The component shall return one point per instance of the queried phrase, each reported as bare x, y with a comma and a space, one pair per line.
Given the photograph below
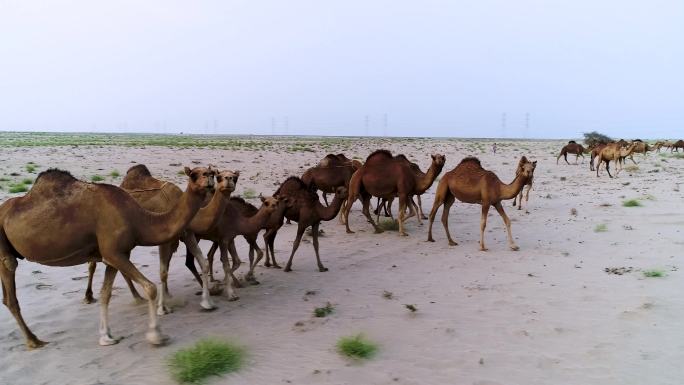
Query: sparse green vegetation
96, 178
31, 167
356, 347
324, 311
654, 273
28, 181
18, 188
631, 203
249, 194
592, 138
115, 174
206, 358
388, 224
600, 228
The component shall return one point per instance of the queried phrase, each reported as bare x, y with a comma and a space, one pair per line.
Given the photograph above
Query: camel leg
120, 262
420, 208
8, 268
402, 214
445, 218
440, 196
576, 159
210, 260
325, 198
191, 243
236, 263
269, 240
92, 265
519, 197
340, 217
314, 227
507, 222
190, 264
608, 168
350, 202
228, 277
260, 255
295, 245
366, 212
164, 260
137, 298
565, 156
483, 224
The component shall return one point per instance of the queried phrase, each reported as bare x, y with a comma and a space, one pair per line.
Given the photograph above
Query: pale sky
432, 68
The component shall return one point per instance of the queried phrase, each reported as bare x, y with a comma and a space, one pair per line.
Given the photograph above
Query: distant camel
470, 183
594, 151
613, 152
571, 148
332, 172
677, 145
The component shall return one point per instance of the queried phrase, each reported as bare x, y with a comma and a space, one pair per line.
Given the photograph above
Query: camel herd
616, 151
63, 221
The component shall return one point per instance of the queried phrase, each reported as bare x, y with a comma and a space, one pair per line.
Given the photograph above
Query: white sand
547, 314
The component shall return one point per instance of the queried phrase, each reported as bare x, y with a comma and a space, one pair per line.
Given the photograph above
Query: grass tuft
96, 178
654, 273
600, 228
31, 167
249, 194
631, 203
206, 358
18, 188
389, 224
115, 174
28, 181
326, 310
356, 347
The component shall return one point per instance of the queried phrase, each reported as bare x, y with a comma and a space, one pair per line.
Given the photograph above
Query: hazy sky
433, 68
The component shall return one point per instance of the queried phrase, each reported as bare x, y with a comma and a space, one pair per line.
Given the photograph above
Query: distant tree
593, 138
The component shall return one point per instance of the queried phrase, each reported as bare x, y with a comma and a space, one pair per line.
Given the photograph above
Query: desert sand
547, 314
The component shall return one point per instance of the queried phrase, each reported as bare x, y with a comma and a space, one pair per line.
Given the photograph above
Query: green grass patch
28, 181
324, 311
631, 203
600, 228
206, 358
18, 188
654, 273
115, 174
249, 194
96, 178
31, 167
356, 347
388, 224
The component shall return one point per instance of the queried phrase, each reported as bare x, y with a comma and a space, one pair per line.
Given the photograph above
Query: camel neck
509, 191
425, 181
329, 212
207, 217
158, 228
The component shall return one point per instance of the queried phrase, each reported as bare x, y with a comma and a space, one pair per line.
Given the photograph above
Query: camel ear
434, 157
534, 164
237, 173
262, 198
187, 171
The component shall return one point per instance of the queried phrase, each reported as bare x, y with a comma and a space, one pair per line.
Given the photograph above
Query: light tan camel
62, 221
385, 176
613, 152
159, 196
470, 183
571, 148
519, 198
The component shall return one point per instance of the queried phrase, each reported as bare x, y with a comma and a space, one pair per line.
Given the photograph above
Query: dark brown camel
677, 145
470, 183
384, 176
571, 148
62, 221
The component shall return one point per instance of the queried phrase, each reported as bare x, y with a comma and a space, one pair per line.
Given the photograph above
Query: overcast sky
404, 68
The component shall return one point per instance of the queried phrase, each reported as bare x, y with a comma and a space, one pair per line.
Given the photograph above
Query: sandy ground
547, 314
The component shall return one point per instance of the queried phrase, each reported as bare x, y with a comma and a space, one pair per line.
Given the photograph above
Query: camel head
527, 168
201, 179
438, 159
270, 204
342, 192
226, 180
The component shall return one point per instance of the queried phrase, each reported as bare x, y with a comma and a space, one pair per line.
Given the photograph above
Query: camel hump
379, 153
291, 183
402, 157
56, 176
471, 159
572, 142
245, 208
138, 170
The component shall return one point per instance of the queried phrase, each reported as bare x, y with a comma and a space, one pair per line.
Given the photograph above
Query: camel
594, 151
238, 219
571, 148
470, 183
307, 211
519, 170
640, 148
615, 153
385, 176
413, 208
331, 172
677, 145
250, 231
62, 221
158, 196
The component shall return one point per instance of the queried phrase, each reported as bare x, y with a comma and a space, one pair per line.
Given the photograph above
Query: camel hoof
287, 269
430, 240
452, 243
108, 340
232, 297
379, 231
35, 344
207, 305
277, 266
483, 249
424, 217
163, 310
404, 234
89, 300
515, 248
156, 338
322, 269
350, 232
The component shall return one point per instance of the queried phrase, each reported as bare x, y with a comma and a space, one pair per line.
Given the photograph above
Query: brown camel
414, 209
470, 183
385, 176
62, 221
677, 145
158, 196
595, 150
518, 171
571, 148
247, 210
307, 211
238, 219
613, 152
331, 172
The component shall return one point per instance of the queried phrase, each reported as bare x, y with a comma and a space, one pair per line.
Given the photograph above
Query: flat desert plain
573, 306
